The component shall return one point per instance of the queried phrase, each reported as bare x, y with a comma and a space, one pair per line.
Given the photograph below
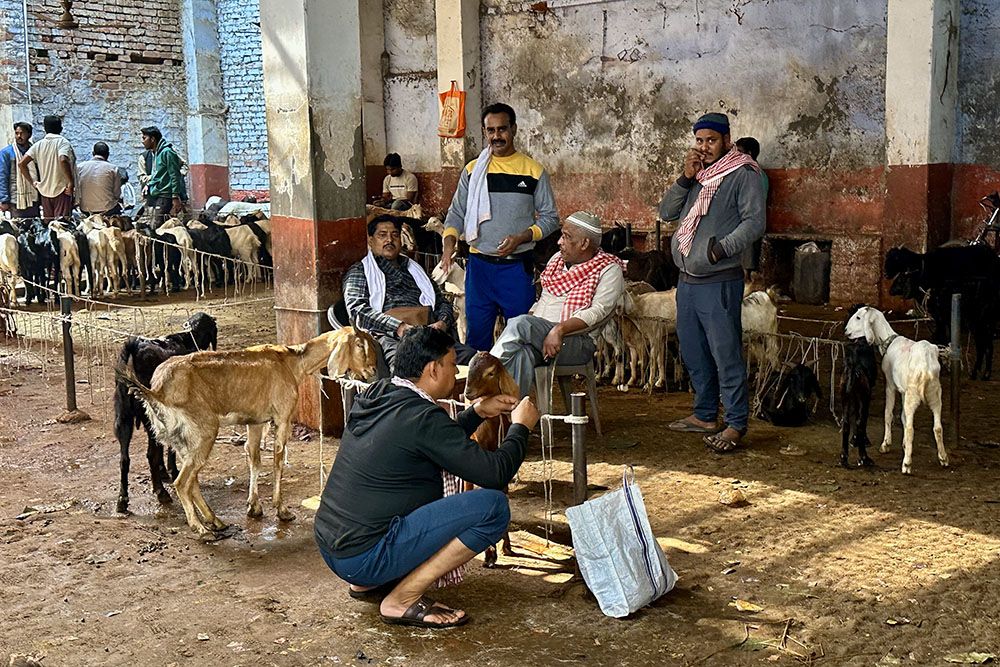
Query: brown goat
190, 397
488, 377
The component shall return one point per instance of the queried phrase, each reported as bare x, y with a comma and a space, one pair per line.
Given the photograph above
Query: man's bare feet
436, 614
725, 441
691, 424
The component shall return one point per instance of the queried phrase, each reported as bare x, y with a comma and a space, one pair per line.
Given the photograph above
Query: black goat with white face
145, 355
792, 400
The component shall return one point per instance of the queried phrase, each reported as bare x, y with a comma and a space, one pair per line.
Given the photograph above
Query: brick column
207, 150
312, 90
373, 56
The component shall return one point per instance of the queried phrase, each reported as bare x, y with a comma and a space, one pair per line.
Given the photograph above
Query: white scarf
376, 283
477, 205
27, 196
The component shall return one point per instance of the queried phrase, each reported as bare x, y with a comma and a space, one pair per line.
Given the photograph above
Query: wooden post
955, 357
72, 414
628, 235
659, 233
578, 433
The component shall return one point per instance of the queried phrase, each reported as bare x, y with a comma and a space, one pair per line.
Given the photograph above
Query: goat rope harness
883, 346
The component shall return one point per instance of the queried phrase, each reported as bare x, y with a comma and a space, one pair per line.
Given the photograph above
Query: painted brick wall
12, 77
243, 84
121, 70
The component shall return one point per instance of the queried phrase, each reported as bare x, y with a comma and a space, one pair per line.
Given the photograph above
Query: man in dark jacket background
167, 191
382, 520
720, 203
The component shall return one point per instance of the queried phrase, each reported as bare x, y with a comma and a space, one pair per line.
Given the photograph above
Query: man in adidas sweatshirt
522, 211
720, 204
383, 522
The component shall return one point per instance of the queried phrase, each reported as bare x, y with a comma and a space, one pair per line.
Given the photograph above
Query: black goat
973, 272
856, 387
145, 355
788, 402
655, 267
215, 241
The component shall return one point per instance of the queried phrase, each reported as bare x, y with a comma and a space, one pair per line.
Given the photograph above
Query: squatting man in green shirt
383, 525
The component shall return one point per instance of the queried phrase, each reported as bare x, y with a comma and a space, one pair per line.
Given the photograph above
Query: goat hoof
285, 515
865, 462
490, 557
884, 447
163, 496
906, 470
122, 506
255, 511
944, 462
843, 462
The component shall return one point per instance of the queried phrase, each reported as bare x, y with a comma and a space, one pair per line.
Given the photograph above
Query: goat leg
252, 447
490, 557
282, 431
154, 454
845, 437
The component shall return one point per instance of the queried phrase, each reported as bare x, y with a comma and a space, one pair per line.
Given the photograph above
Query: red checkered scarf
710, 179
578, 282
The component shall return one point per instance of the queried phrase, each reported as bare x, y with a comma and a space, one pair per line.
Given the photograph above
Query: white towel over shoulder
376, 283
477, 206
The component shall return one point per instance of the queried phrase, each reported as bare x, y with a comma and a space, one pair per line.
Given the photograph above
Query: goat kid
454, 284
856, 387
793, 398
911, 368
145, 355
487, 378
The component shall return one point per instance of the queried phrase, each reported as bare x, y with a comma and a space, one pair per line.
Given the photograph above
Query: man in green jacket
166, 189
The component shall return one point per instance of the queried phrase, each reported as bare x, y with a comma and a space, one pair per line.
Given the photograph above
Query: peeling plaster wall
411, 106
121, 70
611, 89
12, 67
977, 142
243, 86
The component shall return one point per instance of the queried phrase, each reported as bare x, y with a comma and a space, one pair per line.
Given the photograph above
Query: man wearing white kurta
581, 286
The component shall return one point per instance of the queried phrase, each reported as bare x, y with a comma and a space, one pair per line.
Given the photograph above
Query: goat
788, 402
759, 315
912, 369
856, 388
145, 354
454, 284
488, 377
69, 258
654, 315
10, 264
180, 236
655, 267
190, 397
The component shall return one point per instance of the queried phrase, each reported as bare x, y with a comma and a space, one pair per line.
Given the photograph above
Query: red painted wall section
310, 258
208, 180
971, 183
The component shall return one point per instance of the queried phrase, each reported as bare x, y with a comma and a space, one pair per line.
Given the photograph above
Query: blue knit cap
713, 121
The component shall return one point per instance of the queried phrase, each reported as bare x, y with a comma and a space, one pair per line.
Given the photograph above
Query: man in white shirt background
399, 188
56, 163
100, 183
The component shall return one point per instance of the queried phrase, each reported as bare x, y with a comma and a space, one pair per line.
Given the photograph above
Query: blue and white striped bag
617, 553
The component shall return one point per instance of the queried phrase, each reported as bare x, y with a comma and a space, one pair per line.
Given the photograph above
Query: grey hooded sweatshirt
735, 218
389, 463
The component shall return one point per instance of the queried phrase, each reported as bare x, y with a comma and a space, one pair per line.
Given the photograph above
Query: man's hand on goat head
525, 413
494, 405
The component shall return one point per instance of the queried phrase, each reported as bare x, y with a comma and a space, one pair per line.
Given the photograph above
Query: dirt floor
849, 567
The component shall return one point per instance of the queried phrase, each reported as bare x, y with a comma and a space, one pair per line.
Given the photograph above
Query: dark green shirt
166, 179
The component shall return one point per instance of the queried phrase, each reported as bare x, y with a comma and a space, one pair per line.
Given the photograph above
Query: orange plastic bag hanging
452, 122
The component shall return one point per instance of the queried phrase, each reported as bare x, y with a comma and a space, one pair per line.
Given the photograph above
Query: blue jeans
710, 330
491, 289
478, 518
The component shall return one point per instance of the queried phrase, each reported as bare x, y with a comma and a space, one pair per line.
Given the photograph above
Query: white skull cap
586, 220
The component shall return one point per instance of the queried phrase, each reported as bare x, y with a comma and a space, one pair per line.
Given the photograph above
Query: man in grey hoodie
720, 204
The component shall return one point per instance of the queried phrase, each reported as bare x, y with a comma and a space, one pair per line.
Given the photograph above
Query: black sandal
414, 616
374, 594
720, 445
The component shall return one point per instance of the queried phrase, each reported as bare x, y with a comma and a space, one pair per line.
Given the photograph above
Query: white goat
453, 283
655, 317
69, 258
189, 261
246, 248
912, 369
191, 396
9, 264
759, 315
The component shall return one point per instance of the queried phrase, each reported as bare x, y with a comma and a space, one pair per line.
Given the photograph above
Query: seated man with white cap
581, 285
386, 294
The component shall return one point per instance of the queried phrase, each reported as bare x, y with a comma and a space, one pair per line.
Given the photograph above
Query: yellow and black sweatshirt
520, 198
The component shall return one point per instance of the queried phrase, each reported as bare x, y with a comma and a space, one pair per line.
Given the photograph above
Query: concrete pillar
920, 119
374, 61
458, 60
313, 97
207, 149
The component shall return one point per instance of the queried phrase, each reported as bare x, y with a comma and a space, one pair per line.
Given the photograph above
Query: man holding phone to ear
719, 200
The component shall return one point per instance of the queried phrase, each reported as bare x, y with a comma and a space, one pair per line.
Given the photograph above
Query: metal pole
955, 357
65, 305
578, 433
628, 235
659, 232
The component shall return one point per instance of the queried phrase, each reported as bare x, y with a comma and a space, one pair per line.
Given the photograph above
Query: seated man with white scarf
581, 285
387, 293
